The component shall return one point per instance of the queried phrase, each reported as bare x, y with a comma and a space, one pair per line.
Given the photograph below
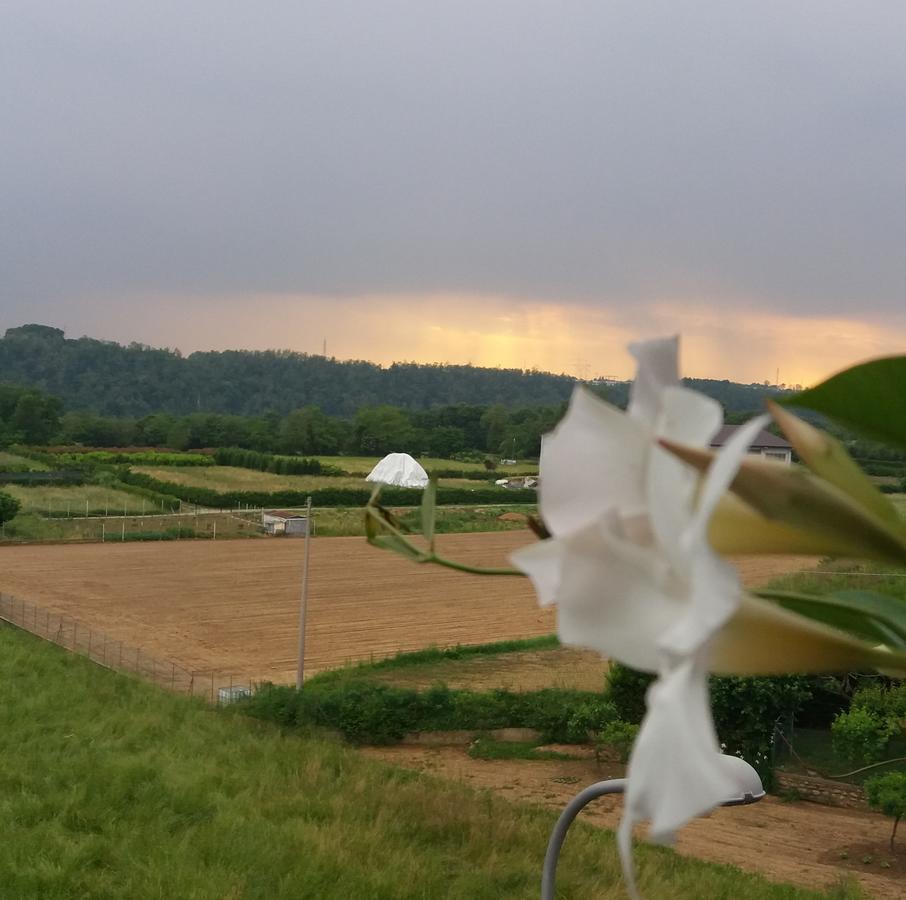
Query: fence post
75, 633
172, 676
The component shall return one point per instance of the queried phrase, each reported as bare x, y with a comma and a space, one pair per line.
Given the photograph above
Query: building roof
283, 514
764, 439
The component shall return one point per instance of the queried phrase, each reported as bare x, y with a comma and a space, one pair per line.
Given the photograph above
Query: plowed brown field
233, 606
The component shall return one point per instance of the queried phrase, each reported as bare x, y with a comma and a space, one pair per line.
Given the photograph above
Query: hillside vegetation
137, 380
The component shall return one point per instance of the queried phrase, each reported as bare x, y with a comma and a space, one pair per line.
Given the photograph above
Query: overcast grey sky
165, 166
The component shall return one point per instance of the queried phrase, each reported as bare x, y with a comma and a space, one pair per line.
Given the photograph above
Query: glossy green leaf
869, 616
870, 398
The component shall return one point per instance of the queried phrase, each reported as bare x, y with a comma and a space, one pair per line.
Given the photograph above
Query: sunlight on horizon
504, 332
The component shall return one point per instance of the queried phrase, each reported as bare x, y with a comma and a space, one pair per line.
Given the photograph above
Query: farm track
801, 843
232, 606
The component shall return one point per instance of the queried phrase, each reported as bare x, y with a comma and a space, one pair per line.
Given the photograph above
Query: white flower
634, 576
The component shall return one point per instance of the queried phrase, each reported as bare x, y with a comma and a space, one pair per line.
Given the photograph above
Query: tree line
135, 381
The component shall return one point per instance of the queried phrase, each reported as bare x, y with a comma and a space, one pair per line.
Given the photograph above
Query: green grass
431, 656
845, 575
30, 527
485, 748
62, 501
110, 789
11, 459
338, 521
232, 478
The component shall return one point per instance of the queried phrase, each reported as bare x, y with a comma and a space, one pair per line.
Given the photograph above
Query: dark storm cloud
574, 152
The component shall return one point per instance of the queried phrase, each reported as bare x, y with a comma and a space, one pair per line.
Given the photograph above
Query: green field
62, 501
134, 793
231, 478
337, 521
19, 462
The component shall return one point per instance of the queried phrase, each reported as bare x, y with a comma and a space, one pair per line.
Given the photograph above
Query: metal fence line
111, 653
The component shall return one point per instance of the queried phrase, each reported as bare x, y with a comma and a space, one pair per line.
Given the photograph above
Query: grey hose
558, 835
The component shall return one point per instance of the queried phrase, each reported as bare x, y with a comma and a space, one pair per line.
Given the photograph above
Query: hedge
372, 713
391, 496
268, 462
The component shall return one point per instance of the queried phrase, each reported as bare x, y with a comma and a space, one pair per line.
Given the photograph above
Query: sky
522, 184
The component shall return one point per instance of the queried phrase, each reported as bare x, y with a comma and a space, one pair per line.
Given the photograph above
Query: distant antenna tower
777, 377
324, 352
582, 367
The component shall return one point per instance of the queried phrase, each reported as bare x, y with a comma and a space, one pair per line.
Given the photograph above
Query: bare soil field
233, 606
802, 843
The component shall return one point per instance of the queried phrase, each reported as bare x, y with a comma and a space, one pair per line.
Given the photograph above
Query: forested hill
137, 380
114, 380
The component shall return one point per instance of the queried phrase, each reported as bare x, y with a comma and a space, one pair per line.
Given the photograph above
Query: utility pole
303, 602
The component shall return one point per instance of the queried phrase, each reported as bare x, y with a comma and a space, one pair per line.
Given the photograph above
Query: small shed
284, 521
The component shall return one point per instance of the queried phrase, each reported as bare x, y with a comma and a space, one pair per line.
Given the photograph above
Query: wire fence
195, 524
112, 653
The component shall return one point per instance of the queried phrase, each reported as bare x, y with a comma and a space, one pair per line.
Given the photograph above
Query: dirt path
801, 843
233, 606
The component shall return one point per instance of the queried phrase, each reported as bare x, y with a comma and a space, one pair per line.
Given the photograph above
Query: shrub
882, 700
887, 793
620, 736
626, 689
861, 735
267, 462
9, 506
372, 713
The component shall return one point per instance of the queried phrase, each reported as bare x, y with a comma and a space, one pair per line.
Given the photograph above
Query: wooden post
303, 602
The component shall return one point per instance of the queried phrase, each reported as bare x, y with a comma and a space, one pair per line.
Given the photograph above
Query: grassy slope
111, 789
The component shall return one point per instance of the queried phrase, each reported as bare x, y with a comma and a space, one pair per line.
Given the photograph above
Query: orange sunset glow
580, 340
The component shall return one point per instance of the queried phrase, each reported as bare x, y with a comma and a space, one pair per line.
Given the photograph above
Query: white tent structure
399, 470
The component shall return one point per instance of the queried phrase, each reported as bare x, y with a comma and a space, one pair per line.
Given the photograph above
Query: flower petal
658, 368
670, 483
674, 772
593, 461
613, 596
714, 589
543, 563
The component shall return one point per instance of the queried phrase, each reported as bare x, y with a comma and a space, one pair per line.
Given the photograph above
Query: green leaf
870, 398
429, 501
828, 459
398, 544
869, 616
797, 498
